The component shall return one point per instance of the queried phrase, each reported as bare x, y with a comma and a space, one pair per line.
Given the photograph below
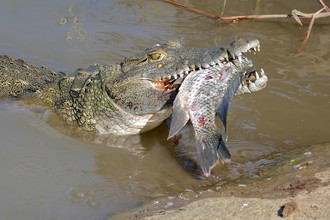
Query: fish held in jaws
202, 96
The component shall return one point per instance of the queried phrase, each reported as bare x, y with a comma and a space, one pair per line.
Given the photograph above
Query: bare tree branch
308, 33
295, 14
209, 15
275, 16
324, 6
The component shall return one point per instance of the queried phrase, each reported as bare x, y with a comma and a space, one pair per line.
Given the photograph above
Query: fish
204, 96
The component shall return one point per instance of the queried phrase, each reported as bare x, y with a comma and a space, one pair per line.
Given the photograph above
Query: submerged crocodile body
129, 97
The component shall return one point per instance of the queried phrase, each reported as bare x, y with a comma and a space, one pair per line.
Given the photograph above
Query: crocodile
125, 98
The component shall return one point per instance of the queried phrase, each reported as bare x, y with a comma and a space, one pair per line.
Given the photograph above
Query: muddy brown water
48, 172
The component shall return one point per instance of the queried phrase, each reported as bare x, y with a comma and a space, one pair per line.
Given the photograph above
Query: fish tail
211, 151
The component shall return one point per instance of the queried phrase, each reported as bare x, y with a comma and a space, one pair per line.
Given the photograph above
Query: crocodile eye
155, 56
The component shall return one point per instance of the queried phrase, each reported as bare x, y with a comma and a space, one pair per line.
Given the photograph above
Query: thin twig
324, 6
224, 6
209, 15
308, 33
273, 16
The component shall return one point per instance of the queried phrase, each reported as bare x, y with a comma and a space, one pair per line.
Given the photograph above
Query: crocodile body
129, 97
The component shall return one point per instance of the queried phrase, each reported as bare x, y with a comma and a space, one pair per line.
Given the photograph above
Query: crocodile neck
84, 100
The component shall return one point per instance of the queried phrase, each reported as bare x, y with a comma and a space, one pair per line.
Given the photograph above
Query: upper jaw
231, 53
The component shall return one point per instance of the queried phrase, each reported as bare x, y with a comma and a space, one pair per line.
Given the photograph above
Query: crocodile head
149, 80
142, 88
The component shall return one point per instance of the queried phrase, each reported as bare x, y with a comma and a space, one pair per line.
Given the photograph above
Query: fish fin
211, 151
223, 107
179, 119
222, 110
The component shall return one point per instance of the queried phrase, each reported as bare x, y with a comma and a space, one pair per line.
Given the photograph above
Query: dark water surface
46, 174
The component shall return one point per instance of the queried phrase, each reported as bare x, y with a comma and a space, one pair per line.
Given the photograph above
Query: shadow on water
74, 174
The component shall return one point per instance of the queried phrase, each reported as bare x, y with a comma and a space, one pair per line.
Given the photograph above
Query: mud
295, 190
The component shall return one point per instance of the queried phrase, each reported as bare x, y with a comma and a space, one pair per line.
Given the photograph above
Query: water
46, 174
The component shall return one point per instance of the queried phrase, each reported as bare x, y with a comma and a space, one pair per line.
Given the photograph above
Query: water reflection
45, 174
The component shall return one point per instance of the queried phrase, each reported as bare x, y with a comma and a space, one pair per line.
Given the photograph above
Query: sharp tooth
239, 59
262, 72
192, 68
205, 65
245, 89
257, 75
254, 53
255, 49
175, 76
181, 75
178, 81
258, 48
212, 63
249, 50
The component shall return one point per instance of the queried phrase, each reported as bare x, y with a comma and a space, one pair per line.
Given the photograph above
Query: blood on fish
208, 77
176, 139
201, 121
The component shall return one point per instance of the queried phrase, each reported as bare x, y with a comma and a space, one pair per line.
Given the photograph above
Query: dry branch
192, 9
295, 14
307, 36
324, 5
276, 16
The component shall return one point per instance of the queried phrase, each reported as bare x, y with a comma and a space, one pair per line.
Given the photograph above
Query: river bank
298, 189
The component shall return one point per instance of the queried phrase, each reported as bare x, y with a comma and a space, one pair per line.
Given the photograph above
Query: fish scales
202, 97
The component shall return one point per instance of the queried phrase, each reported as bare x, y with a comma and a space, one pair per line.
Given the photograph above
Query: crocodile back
21, 80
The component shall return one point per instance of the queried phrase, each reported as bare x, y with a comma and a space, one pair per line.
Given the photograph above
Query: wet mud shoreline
298, 188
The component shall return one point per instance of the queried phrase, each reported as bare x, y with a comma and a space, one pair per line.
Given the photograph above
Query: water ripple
30, 168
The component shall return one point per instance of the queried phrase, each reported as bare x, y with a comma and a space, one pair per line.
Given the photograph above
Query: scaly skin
130, 97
